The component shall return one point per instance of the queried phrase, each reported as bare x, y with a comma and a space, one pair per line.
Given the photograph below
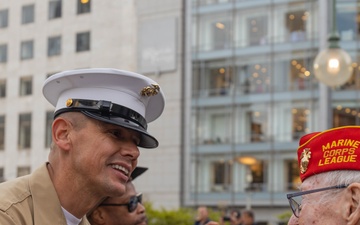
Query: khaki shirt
31, 200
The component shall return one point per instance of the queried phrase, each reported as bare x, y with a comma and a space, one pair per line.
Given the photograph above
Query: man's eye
136, 140
116, 133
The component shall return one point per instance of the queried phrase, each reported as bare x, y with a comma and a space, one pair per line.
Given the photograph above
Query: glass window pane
28, 14
54, 9
346, 114
24, 138
49, 120
4, 15
54, 46
2, 132
27, 50
257, 30
83, 6
25, 86
3, 53
300, 118
23, 170
2, 88
292, 174
221, 176
83, 41
296, 25
256, 176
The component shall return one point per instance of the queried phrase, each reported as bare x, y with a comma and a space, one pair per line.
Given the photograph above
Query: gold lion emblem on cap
304, 160
150, 90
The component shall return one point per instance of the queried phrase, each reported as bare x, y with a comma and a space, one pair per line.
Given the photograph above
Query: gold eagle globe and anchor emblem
304, 160
150, 90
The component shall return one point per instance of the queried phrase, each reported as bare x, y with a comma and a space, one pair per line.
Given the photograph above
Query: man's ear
97, 217
60, 133
353, 208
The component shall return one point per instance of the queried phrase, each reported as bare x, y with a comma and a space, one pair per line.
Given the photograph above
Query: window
222, 174
296, 25
299, 74
83, 6
221, 35
24, 140
28, 13
23, 170
300, 118
257, 123
257, 30
4, 15
83, 41
2, 178
25, 86
49, 120
54, 46
255, 176
2, 133
292, 174
2, 88
27, 50
54, 9
221, 81
3, 53
344, 115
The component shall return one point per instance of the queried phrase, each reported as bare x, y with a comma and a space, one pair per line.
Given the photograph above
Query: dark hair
238, 213
249, 213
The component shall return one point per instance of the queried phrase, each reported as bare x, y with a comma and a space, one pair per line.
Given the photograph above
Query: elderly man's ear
351, 204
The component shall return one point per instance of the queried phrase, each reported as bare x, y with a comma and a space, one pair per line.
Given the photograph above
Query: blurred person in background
234, 218
247, 217
329, 166
202, 217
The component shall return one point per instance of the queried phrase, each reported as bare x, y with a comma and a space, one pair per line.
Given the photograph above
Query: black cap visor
109, 112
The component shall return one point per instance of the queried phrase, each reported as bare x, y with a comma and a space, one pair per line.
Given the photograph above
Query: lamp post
332, 65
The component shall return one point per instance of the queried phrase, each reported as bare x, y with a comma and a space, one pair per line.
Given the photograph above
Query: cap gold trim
69, 102
304, 160
150, 90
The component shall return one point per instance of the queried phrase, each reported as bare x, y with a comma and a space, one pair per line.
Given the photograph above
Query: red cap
333, 149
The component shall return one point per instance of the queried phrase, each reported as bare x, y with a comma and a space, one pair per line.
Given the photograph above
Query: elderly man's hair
333, 178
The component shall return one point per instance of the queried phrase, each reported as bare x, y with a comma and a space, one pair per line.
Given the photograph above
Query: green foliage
181, 216
285, 217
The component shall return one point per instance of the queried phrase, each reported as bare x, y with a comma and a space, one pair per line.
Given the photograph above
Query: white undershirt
70, 219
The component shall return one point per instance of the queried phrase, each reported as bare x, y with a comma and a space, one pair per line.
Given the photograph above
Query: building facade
254, 95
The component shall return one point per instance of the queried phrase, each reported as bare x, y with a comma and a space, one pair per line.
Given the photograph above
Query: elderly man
329, 171
100, 120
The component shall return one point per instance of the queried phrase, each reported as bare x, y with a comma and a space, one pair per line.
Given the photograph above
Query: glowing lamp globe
333, 67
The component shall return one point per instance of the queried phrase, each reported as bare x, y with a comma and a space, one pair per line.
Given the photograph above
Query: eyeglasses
296, 207
132, 204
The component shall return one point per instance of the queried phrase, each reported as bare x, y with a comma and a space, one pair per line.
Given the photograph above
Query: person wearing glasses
124, 210
100, 121
329, 165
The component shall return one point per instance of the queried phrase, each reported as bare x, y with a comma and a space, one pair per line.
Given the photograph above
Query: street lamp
332, 66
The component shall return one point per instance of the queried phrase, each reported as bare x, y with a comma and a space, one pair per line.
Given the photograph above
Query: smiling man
329, 167
100, 120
